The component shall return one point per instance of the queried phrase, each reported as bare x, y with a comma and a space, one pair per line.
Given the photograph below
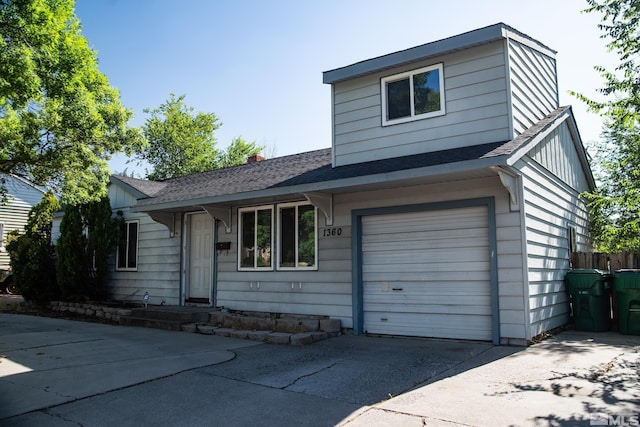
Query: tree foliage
88, 235
182, 142
60, 120
32, 255
615, 206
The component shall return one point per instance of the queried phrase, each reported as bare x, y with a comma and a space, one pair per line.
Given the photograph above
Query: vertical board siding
534, 86
476, 110
558, 154
550, 207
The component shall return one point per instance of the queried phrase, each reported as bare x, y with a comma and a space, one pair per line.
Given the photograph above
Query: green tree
182, 142
32, 255
88, 235
60, 120
237, 153
615, 206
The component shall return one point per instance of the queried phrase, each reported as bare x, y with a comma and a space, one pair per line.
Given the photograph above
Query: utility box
590, 296
627, 288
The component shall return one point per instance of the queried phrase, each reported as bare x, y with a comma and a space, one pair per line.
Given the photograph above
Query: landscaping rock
258, 335
301, 339
239, 333
223, 332
331, 326
189, 327
206, 329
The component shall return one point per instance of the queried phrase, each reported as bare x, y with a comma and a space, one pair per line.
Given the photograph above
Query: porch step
170, 318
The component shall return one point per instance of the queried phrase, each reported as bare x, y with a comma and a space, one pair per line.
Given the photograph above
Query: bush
32, 256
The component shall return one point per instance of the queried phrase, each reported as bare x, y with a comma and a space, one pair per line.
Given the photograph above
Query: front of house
447, 206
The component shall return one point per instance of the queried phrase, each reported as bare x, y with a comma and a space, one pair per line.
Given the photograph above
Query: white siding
550, 208
534, 86
22, 197
328, 290
476, 110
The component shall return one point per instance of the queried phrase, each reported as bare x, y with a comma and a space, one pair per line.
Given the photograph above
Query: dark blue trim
356, 248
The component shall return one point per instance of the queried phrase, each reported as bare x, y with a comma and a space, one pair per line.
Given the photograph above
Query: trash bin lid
590, 271
628, 271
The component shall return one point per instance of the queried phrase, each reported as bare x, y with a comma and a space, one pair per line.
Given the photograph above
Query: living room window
413, 95
256, 238
297, 237
127, 256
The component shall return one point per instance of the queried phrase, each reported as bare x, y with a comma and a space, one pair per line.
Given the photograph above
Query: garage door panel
438, 264
435, 325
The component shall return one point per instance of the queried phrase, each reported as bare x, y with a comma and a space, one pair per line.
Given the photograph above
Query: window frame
2, 248
279, 239
255, 209
409, 75
127, 239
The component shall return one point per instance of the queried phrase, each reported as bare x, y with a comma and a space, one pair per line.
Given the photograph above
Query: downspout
183, 227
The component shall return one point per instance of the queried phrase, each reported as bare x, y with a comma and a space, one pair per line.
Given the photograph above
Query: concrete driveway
60, 373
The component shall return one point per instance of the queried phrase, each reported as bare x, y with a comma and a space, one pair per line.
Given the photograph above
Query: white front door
200, 259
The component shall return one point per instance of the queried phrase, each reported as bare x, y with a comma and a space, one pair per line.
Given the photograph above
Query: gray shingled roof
314, 167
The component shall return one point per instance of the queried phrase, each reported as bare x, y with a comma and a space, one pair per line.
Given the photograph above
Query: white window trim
127, 222
409, 74
315, 264
273, 231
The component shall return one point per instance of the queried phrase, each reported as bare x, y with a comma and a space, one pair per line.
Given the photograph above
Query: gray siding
550, 208
558, 154
158, 258
14, 214
534, 85
328, 290
477, 110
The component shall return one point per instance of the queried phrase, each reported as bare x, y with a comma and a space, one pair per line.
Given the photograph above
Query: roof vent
255, 158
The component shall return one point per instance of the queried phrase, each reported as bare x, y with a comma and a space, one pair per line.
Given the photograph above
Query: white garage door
427, 274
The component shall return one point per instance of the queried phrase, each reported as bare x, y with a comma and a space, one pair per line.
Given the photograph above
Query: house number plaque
335, 232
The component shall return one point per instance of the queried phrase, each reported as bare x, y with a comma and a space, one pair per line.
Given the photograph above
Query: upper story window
256, 238
127, 257
413, 95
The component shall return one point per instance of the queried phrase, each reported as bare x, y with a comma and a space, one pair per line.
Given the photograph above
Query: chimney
255, 158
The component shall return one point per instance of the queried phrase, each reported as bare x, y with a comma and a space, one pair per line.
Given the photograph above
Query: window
413, 95
256, 236
2, 237
127, 257
297, 237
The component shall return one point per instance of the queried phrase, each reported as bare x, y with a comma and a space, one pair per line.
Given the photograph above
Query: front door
200, 259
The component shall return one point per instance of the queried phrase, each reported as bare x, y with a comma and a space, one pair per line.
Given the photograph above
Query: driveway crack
310, 374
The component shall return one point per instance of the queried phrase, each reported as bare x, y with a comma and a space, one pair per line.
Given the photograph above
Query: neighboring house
447, 206
22, 196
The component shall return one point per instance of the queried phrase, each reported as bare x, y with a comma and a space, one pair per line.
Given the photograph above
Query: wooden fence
607, 262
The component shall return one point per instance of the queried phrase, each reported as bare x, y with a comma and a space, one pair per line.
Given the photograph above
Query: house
447, 206
22, 196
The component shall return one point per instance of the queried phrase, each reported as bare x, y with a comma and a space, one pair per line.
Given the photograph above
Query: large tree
181, 141
60, 120
615, 206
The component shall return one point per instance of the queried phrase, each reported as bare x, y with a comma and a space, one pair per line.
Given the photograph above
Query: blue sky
258, 64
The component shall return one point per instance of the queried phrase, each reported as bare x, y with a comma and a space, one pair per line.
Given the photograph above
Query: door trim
187, 255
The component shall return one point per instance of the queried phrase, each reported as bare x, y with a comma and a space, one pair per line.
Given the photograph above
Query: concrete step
170, 325
180, 314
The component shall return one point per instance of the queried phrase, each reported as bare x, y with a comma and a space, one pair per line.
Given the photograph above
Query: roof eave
328, 186
437, 48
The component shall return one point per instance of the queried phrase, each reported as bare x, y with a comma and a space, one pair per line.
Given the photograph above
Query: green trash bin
627, 286
590, 296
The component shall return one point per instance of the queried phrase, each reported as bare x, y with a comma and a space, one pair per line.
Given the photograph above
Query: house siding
15, 213
158, 271
476, 110
534, 85
328, 291
550, 207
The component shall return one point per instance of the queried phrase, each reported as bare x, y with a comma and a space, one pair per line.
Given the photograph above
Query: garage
428, 273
